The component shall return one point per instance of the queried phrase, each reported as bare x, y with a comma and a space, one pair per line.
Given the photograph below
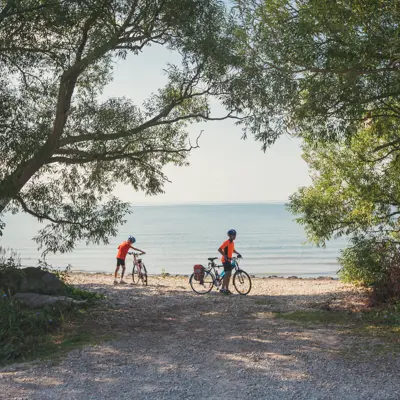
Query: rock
35, 300
292, 277
31, 279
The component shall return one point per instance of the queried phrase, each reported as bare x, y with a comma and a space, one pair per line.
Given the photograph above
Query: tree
61, 148
320, 68
328, 72
355, 192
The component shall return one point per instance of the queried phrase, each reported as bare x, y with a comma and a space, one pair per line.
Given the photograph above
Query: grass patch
370, 334
80, 294
377, 324
317, 317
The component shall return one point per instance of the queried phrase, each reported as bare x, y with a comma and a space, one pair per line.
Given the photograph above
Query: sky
225, 168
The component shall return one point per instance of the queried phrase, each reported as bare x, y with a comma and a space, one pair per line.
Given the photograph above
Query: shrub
373, 263
24, 331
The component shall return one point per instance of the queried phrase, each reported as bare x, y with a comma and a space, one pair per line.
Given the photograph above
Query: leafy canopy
321, 67
355, 188
62, 147
355, 192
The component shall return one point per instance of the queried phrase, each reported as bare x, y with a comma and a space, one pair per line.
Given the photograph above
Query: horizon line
207, 203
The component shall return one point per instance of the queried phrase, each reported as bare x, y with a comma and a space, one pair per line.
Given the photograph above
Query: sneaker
122, 282
223, 291
115, 282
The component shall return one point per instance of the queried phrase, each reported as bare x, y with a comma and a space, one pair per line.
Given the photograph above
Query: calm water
177, 237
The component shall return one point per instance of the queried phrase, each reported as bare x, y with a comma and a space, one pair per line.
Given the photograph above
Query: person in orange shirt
227, 249
123, 249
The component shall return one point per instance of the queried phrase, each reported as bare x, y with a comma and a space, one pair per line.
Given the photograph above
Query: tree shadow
178, 344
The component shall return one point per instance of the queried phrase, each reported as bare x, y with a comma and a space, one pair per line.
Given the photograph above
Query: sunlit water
177, 237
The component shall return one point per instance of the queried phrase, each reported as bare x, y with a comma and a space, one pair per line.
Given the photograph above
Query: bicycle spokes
242, 282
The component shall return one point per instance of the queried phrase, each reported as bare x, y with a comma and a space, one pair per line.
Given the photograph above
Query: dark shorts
121, 262
227, 266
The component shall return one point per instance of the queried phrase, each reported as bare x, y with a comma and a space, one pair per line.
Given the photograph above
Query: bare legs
122, 273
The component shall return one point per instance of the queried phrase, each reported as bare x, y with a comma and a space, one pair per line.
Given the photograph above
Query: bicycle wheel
242, 282
135, 275
143, 275
202, 287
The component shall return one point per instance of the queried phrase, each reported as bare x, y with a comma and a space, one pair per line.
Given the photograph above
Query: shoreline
253, 276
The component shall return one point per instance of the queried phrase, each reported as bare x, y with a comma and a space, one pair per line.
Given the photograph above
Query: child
123, 249
227, 249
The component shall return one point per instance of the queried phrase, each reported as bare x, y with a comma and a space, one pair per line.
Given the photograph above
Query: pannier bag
198, 273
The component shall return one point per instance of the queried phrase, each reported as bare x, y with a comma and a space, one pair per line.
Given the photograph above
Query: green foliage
363, 262
355, 192
81, 294
388, 316
26, 333
9, 259
23, 331
320, 67
63, 147
332, 76
355, 188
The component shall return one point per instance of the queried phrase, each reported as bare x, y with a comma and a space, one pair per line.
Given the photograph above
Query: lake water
177, 237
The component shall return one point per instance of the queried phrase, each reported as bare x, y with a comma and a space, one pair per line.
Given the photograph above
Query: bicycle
212, 278
139, 272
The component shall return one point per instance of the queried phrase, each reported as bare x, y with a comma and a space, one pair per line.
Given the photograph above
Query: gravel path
172, 344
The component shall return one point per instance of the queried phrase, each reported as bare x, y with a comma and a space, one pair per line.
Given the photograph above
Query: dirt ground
165, 342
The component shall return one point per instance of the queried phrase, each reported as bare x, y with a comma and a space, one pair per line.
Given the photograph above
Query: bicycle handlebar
136, 254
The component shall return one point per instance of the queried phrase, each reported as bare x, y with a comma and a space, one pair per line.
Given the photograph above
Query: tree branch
41, 217
84, 157
154, 122
380, 158
382, 146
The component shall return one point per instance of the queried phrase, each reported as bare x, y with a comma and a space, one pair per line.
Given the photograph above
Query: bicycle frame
137, 261
212, 269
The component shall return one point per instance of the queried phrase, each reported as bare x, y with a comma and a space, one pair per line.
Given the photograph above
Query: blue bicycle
210, 277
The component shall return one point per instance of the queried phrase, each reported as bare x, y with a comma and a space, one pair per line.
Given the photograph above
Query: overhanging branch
83, 157
383, 146
154, 122
47, 217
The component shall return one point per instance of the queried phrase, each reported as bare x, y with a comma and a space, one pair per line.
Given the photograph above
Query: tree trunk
11, 186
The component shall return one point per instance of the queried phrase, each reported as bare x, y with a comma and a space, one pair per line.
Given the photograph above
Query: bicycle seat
212, 258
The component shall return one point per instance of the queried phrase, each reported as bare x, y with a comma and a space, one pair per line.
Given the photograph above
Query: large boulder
35, 300
31, 279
